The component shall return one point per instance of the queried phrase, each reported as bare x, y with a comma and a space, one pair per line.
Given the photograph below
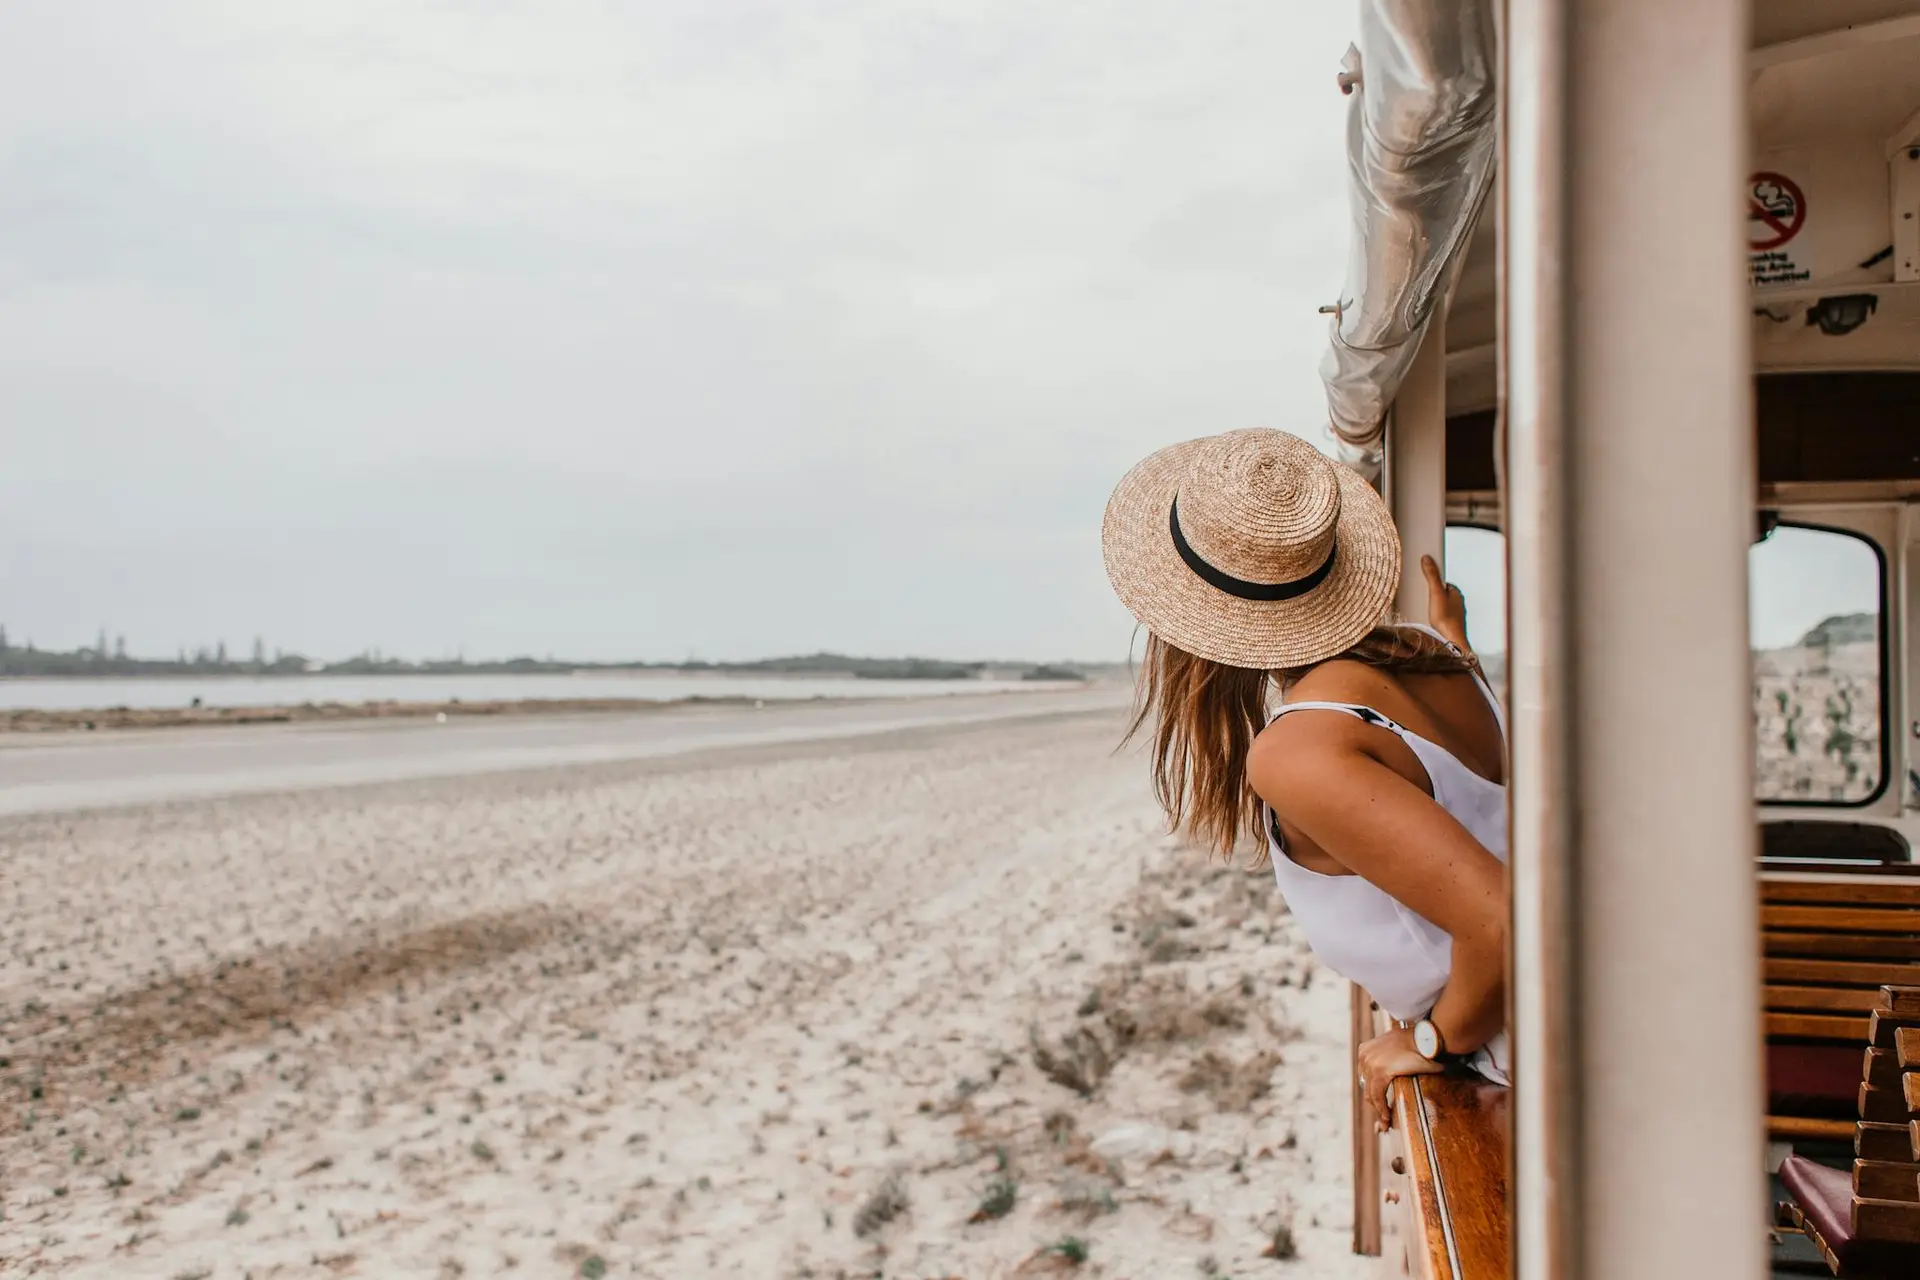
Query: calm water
263, 691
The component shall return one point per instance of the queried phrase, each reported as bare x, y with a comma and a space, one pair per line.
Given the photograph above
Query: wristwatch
1428, 1042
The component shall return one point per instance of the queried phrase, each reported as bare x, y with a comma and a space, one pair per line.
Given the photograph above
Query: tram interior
1833, 225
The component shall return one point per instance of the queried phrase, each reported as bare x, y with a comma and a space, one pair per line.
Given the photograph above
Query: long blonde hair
1206, 715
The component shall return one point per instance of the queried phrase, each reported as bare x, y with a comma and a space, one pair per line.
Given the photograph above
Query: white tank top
1362, 934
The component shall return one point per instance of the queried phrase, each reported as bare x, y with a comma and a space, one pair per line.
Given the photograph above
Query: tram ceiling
1791, 28
1834, 202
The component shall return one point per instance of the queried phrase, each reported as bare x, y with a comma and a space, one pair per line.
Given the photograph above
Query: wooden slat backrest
1831, 918
1885, 1201
1886, 1186
1845, 890
1816, 1026
1868, 975
1883, 1069
1889, 1142
1830, 943
1891, 1221
1886, 1180
1883, 1027
1840, 946
1789, 997
1884, 1106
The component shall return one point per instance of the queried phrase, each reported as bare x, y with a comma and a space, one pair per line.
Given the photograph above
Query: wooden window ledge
1453, 1133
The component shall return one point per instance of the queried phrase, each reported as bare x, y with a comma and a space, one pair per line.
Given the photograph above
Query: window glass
1814, 621
1814, 624
1477, 564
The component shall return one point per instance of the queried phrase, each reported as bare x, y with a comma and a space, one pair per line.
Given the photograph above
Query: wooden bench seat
1867, 1222
1830, 942
1857, 1235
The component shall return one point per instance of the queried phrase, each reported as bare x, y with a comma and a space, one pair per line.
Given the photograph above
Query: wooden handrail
1455, 1131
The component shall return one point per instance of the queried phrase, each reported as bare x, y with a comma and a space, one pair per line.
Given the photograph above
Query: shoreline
34, 720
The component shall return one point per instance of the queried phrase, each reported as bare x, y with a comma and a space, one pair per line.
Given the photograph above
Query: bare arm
1320, 774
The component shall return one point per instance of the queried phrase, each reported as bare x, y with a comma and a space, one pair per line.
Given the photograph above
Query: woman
1377, 786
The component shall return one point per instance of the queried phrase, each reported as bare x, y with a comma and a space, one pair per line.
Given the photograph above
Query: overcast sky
679, 327
716, 327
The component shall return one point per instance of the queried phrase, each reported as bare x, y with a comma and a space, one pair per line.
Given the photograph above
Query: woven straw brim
1171, 601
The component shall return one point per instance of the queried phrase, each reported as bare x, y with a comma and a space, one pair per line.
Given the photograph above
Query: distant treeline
836, 664
111, 659
104, 659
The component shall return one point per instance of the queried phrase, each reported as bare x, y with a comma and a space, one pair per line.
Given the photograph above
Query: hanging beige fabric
1420, 149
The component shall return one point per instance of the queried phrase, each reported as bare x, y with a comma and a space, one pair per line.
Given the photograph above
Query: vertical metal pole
1630, 482
1906, 755
1417, 480
1541, 991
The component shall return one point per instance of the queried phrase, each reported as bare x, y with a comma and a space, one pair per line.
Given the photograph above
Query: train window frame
1882, 672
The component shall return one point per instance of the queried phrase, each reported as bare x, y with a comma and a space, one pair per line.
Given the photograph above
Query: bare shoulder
1344, 680
1300, 749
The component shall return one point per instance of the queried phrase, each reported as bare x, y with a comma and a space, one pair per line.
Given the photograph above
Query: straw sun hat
1251, 549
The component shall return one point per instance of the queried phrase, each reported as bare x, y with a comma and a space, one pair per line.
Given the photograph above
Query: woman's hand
1446, 605
1384, 1059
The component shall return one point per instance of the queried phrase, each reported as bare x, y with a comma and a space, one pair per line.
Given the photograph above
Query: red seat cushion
1814, 1079
1825, 1195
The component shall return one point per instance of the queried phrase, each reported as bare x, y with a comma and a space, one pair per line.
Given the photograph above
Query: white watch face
1426, 1038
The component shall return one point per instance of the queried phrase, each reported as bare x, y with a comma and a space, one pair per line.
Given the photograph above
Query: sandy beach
932, 1002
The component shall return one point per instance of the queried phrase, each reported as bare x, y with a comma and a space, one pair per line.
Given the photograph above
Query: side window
1814, 618
1477, 564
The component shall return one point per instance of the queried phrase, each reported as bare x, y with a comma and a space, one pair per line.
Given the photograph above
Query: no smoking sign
1776, 210
1776, 213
